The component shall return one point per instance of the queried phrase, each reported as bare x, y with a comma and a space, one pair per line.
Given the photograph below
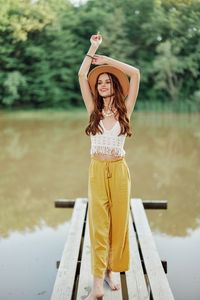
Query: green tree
17, 20
167, 68
176, 58
42, 44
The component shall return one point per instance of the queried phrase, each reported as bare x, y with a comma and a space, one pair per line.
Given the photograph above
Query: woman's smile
104, 84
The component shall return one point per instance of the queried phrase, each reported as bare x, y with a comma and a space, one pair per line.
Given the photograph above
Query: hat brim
122, 77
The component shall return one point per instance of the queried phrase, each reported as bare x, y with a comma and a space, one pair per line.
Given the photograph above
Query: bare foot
108, 278
97, 290
92, 296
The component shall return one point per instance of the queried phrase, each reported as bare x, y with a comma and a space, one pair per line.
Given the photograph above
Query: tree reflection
45, 156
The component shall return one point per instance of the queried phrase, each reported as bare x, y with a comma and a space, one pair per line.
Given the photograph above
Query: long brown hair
118, 102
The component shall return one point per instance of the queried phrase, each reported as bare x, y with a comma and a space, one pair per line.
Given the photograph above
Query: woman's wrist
106, 59
92, 50
88, 55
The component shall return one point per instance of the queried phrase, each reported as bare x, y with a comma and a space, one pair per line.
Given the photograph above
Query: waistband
108, 160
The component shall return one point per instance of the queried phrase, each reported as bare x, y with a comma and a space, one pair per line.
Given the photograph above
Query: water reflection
166, 161
28, 262
182, 255
45, 156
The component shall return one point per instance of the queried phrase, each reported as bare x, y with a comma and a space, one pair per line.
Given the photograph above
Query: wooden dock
146, 278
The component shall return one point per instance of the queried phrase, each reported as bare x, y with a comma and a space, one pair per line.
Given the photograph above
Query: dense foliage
42, 44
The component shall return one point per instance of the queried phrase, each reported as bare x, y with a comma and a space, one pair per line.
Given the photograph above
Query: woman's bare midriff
105, 157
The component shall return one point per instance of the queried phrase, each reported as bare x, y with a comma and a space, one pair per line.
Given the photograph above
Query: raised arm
131, 71
84, 69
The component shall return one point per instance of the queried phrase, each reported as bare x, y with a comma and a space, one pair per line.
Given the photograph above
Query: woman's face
105, 86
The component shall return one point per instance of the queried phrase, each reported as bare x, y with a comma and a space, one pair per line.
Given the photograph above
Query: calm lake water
45, 156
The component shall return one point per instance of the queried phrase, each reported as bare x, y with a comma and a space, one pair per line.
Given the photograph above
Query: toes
113, 286
117, 286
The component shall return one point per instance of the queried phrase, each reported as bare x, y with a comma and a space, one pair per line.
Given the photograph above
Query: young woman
109, 97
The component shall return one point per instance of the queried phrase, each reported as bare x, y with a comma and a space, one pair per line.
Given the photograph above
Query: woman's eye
107, 82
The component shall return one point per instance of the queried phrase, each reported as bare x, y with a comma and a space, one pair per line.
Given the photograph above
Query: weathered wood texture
159, 285
68, 203
148, 204
145, 279
65, 279
136, 285
154, 204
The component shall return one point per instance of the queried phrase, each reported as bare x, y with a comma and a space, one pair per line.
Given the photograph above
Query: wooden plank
136, 285
65, 278
157, 279
148, 204
86, 278
68, 203
163, 262
154, 204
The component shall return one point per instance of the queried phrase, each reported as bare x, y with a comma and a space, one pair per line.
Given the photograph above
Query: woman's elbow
136, 73
82, 74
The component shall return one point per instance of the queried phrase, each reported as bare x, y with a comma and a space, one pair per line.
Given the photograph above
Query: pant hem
120, 270
100, 275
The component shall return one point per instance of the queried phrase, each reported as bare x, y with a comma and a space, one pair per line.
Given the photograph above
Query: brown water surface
45, 156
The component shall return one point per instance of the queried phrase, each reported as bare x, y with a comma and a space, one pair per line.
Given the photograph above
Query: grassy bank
141, 106
176, 106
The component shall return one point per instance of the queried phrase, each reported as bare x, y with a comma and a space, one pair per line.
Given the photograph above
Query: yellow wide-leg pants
109, 187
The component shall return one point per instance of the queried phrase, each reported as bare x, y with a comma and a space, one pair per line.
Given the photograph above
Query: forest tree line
43, 43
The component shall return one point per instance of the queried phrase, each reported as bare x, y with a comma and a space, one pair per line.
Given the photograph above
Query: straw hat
122, 77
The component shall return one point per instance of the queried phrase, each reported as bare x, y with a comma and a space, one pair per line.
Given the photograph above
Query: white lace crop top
108, 142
